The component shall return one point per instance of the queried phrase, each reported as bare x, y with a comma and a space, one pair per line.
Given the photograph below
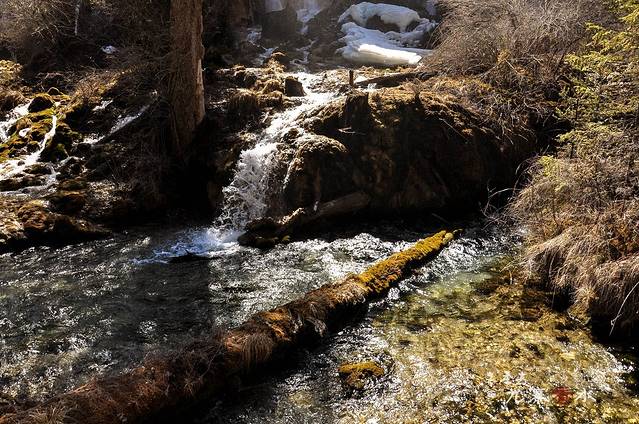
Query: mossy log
161, 386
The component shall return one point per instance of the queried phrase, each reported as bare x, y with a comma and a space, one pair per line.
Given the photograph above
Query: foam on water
245, 198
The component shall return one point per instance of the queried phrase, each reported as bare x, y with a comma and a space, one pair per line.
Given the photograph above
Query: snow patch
370, 46
388, 13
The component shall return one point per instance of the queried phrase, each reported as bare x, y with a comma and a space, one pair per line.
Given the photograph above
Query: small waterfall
14, 167
245, 198
11, 118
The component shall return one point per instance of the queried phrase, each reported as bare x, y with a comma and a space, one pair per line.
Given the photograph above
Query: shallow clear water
455, 347
451, 353
67, 314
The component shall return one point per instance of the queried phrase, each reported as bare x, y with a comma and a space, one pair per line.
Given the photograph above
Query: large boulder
409, 153
280, 24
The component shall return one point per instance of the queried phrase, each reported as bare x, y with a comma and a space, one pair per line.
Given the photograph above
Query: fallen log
160, 386
393, 80
268, 232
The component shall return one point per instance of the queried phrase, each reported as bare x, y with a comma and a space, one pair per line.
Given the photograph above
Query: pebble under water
453, 347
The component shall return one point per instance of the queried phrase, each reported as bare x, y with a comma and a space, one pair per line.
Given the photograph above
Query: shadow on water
72, 313
452, 343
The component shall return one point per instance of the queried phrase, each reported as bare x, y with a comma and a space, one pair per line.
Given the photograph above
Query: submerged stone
356, 376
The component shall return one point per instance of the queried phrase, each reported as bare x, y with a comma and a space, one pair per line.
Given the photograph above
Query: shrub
46, 34
581, 208
518, 44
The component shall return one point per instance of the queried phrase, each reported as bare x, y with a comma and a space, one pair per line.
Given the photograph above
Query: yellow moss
356, 375
381, 276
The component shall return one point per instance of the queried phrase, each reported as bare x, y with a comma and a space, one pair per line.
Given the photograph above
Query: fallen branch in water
267, 232
211, 366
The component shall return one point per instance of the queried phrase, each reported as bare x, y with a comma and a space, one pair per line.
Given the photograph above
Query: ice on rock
388, 13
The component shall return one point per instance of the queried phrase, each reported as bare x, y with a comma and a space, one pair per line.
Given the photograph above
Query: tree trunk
186, 87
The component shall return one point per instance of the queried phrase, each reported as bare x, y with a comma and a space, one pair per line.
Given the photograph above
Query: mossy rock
76, 112
356, 376
41, 102
68, 202
18, 145
61, 144
44, 116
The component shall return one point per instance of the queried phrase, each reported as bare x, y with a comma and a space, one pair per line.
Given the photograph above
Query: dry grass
50, 34
517, 44
581, 212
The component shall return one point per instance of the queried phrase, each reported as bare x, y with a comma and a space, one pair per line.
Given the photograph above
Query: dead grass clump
518, 44
244, 103
499, 110
581, 212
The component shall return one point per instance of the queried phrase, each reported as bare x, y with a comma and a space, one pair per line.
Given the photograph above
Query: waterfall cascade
245, 198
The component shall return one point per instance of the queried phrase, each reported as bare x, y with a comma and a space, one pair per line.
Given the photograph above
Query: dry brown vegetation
50, 33
581, 208
516, 44
582, 211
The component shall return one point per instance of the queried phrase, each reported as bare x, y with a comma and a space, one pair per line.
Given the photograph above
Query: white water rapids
16, 166
245, 198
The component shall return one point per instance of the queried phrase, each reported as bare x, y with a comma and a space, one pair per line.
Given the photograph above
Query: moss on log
162, 385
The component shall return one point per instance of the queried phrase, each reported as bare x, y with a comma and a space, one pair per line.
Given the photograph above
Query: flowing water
449, 346
454, 346
245, 198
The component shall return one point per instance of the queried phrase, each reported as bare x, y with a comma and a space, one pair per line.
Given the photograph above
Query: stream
453, 345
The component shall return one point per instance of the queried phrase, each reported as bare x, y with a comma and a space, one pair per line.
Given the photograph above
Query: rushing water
456, 348
245, 198
448, 350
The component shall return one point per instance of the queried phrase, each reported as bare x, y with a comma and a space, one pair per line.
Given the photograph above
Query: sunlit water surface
451, 352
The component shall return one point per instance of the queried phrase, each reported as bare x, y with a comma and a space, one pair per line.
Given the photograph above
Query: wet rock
41, 102
293, 87
320, 170
357, 376
280, 25
61, 144
280, 58
72, 184
68, 202
41, 226
72, 168
10, 99
20, 182
39, 169
408, 156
